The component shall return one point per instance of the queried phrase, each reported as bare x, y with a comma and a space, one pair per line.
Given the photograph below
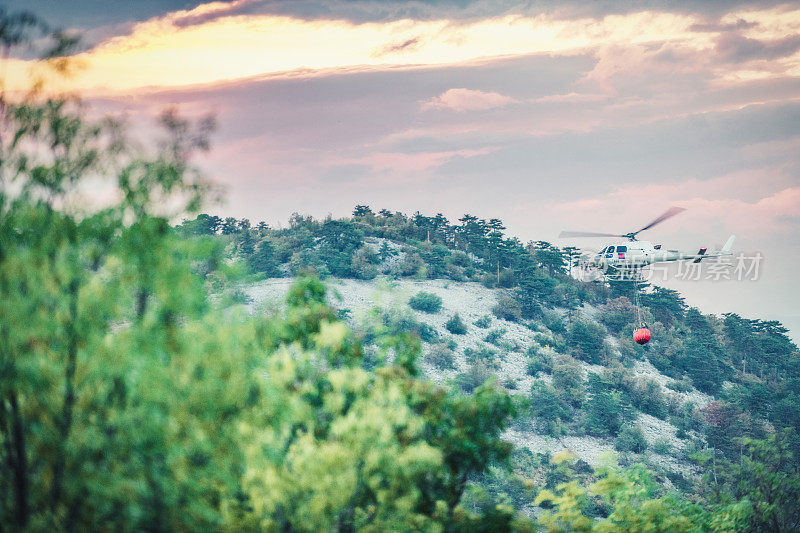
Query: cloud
224, 41
407, 44
572, 97
210, 12
468, 100
739, 24
736, 48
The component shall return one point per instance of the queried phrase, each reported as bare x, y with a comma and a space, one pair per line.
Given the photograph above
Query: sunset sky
550, 115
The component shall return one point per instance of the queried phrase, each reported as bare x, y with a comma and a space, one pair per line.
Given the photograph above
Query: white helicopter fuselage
639, 254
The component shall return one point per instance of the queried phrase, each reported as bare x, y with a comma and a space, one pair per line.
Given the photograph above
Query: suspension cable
637, 302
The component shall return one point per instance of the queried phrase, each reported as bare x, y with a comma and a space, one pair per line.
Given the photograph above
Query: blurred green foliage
130, 401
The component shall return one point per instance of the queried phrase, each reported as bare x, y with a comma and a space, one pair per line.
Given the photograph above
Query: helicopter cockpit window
610, 250
601, 252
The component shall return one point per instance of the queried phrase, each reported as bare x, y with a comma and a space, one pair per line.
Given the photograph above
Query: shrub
649, 398
554, 322
483, 322
456, 326
412, 264
371, 357
426, 302
539, 361
662, 446
482, 354
535, 366
459, 258
396, 321
441, 356
568, 381
427, 333
554, 342
473, 378
619, 377
546, 404
618, 313
236, 296
631, 439
507, 278
454, 272
512, 345
363, 263
494, 336
679, 386
508, 308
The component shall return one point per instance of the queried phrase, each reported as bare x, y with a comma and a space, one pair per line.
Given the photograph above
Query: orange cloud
211, 43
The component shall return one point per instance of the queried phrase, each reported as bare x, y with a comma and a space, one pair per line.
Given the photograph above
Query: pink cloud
468, 100
572, 98
414, 162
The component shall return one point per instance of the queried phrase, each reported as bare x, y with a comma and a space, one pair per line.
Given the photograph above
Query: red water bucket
641, 335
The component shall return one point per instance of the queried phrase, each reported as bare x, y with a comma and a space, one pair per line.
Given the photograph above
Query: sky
550, 115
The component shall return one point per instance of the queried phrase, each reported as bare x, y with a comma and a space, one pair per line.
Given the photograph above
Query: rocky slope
473, 301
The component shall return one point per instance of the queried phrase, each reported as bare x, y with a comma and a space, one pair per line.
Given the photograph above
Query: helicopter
624, 262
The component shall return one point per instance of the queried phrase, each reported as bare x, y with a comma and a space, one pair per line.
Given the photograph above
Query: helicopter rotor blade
669, 213
566, 234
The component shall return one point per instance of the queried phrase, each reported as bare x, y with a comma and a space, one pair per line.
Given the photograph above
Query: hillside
473, 302
562, 349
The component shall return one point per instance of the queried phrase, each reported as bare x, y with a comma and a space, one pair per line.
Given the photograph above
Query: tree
667, 305
495, 241
587, 340
263, 259
84, 404
340, 239
129, 400
547, 406
767, 480
534, 287
548, 257
229, 226
202, 225
701, 361
245, 243
725, 423
606, 408
631, 439
362, 211
618, 313
386, 252
568, 381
